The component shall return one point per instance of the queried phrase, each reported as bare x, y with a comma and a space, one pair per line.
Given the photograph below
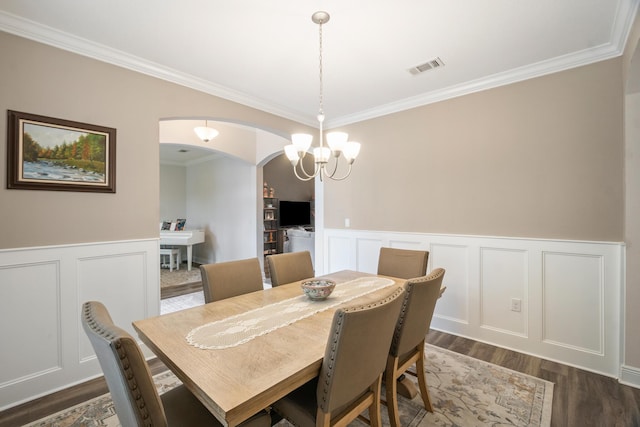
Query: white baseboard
630, 376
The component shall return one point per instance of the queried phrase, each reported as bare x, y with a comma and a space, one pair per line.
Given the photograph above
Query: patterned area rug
179, 282
470, 392
99, 411
464, 392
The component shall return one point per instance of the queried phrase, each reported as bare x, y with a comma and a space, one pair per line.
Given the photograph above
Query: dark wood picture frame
45, 153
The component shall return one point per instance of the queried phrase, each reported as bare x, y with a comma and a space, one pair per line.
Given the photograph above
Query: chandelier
338, 143
205, 133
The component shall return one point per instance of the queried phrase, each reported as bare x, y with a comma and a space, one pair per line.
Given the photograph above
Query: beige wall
542, 158
278, 174
629, 50
39, 79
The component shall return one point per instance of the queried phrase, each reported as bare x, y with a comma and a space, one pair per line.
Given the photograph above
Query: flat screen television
294, 214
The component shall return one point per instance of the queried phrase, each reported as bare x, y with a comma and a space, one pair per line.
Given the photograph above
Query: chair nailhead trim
334, 340
109, 334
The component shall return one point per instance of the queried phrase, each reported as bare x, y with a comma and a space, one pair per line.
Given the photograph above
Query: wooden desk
235, 383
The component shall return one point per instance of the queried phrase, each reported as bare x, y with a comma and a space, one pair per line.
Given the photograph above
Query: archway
223, 180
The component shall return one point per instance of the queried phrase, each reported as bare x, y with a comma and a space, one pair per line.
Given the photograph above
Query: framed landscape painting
45, 153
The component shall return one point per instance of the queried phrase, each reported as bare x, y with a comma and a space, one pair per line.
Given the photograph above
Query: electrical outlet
516, 304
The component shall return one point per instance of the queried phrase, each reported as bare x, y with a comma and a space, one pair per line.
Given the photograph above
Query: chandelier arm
344, 177
315, 170
307, 176
335, 168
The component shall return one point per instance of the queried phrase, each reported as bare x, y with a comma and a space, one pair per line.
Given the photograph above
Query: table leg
406, 388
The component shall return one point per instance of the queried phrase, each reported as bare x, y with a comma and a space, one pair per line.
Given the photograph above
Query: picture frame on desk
46, 153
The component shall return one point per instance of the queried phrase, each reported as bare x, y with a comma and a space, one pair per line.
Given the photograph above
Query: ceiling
265, 53
182, 155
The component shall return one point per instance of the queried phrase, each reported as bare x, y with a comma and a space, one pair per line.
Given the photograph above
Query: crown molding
530, 71
625, 16
34, 31
50, 36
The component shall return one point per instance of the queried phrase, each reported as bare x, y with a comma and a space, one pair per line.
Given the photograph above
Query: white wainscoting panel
27, 289
41, 294
503, 277
569, 291
455, 260
568, 278
118, 282
367, 252
401, 243
342, 254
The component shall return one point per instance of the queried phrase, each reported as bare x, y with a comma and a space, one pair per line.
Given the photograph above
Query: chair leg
392, 390
422, 381
375, 418
322, 419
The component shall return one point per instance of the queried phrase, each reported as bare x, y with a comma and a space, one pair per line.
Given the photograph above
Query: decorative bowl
318, 289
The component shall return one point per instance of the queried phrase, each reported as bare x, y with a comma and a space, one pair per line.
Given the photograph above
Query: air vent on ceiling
429, 65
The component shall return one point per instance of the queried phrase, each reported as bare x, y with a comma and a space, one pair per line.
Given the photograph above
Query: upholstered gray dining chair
407, 346
350, 378
402, 263
134, 394
290, 267
231, 278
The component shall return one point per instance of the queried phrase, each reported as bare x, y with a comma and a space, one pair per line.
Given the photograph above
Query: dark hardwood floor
55, 402
580, 398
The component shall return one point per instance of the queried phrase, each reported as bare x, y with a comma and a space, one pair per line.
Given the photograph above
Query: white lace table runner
243, 327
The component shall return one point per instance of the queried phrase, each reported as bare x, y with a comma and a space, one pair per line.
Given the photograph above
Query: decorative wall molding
41, 293
42, 289
569, 291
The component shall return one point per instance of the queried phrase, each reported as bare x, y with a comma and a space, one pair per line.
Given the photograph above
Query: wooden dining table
238, 381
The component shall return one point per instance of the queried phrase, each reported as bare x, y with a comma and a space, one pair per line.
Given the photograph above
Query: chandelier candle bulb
302, 142
337, 141
292, 154
351, 151
321, 154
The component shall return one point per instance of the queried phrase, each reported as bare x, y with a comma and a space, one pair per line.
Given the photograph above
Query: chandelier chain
320, 73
